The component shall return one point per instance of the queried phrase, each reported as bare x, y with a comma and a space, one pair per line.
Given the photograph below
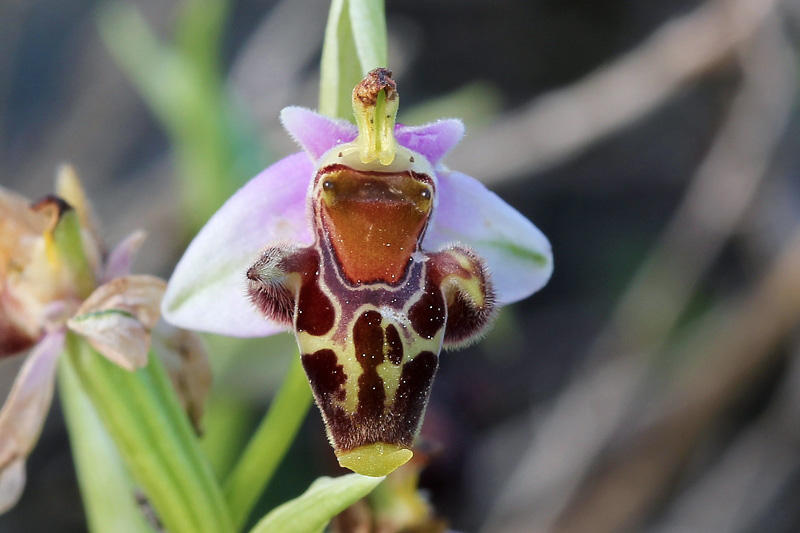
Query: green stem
142, 414
181, 83
355, 43
108, 492
69, 241
269, 444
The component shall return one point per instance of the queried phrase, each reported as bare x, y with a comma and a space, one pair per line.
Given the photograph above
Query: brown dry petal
31, 275
117, 318
43, 277
20, 226
21, 230
138, 295
115, 334
186, 360
23, 415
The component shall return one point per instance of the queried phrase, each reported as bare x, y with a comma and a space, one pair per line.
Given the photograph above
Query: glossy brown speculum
374, 220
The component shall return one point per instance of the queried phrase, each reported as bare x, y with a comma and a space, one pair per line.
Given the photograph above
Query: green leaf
154, 437
198, 36
69, 243
355, 43
312, 510
108, 492
182, 85
269, 444
368, 23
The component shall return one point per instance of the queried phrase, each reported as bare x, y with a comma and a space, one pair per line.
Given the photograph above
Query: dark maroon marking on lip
371, 396
368, 342
372, 421
465, 319
326, 375
412, 394
395, 345
315, 315
400, 424
428, 313
368, 337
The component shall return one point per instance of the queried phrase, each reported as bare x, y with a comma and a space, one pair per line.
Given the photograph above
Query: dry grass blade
571, 435
561, 123
737, 343
749, 477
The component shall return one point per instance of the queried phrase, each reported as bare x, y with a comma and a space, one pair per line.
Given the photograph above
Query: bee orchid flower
375, 253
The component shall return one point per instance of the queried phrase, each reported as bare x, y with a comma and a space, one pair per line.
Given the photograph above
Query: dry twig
748, 478
572, 434
561, 123
734, 346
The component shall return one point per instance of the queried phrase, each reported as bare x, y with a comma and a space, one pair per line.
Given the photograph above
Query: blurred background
653, 385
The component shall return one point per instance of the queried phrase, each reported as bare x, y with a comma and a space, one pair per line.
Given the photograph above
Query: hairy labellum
374, 253
370, 307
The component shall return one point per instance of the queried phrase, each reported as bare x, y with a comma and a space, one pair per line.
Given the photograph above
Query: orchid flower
375, 254
55, 277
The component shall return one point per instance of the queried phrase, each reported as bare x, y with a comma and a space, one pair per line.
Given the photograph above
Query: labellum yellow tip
376, 459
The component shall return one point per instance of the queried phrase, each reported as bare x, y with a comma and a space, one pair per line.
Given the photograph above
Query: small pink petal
120, 259
316, 133
24, 412
431, 140
208, 289
517, 254
12, 481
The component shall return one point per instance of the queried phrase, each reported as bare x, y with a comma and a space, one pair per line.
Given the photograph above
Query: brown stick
559, 124
585, 416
